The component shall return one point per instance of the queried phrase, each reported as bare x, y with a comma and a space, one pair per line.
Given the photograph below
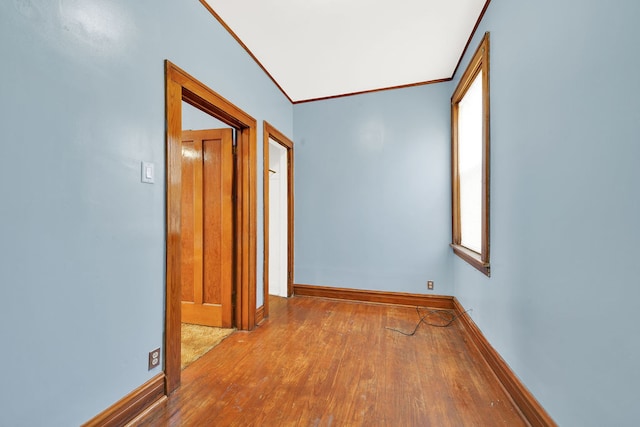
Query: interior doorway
207, 220
278, 214
278, 232
180, 87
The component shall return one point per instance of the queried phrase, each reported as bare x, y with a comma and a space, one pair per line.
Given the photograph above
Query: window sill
472, 258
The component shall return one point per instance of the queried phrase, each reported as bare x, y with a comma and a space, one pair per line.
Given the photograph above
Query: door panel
207, 227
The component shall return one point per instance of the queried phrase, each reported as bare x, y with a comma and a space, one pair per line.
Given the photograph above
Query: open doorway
207, 233
278, 214
278, 232
181, 87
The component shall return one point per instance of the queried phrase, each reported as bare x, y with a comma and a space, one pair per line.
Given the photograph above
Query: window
470, 161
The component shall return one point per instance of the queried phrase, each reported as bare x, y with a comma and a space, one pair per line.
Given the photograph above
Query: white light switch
148, 174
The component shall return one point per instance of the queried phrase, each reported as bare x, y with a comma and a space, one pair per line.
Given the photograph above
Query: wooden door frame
270, 132
180, 86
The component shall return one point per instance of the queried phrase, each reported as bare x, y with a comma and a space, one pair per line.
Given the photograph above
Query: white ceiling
323, 48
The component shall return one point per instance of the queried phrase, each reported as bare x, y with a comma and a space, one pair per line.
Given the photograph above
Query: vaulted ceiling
324, 48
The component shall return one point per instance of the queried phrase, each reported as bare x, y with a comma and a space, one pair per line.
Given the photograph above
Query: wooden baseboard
531, 409
396, 298
132, 405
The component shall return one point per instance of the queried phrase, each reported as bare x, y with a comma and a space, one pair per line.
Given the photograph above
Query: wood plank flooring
320, 362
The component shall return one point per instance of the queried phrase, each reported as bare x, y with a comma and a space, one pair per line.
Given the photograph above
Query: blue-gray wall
82, 246
561, 303
82, 240
372, 191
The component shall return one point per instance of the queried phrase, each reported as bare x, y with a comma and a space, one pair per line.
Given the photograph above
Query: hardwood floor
320, 362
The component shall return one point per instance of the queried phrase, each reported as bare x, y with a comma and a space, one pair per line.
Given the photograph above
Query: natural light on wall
470, 165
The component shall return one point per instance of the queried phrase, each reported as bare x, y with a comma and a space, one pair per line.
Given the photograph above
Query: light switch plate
148, 172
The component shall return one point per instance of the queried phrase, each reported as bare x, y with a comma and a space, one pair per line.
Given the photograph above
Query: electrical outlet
154, 358
430, 285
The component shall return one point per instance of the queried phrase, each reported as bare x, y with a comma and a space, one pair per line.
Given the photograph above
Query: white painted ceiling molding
316, 49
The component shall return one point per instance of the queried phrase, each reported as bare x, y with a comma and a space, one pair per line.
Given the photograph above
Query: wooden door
207, 227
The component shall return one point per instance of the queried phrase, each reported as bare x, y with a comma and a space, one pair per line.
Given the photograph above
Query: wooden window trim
479, 62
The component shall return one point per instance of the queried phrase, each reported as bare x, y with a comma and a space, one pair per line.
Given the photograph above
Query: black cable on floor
447, 316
